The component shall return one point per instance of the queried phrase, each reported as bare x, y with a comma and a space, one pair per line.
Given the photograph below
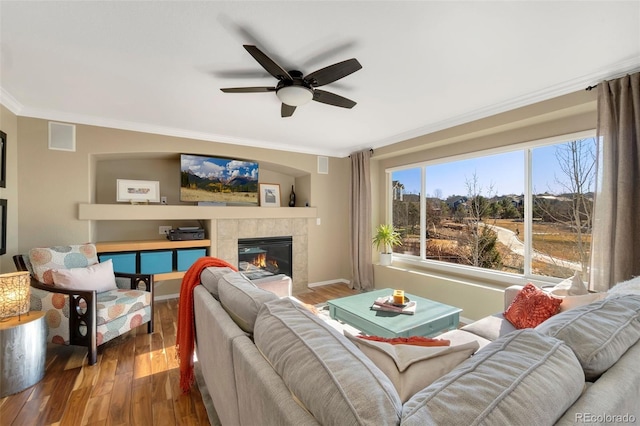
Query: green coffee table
431, 318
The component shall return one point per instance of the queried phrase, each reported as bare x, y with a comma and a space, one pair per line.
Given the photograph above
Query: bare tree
573, 206
481, 240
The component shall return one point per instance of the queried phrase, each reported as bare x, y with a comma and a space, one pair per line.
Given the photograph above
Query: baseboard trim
336, 281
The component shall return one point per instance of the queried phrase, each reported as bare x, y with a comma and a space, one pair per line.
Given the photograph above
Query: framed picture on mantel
269, 195
138, 191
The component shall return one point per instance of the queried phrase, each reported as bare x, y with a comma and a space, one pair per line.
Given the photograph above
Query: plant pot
385, 259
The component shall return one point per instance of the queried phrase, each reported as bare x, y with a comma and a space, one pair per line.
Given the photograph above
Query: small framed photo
138, 191
269, 195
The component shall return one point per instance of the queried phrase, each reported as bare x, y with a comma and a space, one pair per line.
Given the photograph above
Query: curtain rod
370, 150
633, 71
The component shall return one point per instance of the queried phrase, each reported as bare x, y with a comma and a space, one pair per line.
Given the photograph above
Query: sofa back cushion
324, 371
209, 278
521, 369
599, 333
242, 299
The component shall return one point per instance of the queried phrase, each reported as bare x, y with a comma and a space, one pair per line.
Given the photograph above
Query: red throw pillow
413, 340
531, 307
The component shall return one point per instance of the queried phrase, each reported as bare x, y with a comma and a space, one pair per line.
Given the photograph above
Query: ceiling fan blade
248, 89
333, 72
287, 110
332, 99
267, 63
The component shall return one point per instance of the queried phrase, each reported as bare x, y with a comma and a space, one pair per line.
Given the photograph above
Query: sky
499, 174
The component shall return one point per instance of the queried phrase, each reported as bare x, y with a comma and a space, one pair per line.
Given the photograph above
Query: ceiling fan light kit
294, 90
294, 95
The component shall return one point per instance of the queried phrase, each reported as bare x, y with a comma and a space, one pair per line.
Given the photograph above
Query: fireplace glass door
264, 257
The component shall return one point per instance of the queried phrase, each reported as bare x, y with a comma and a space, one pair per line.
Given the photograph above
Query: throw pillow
570, 287
98, 277
413, 340
43, 260
412, 368
531, 307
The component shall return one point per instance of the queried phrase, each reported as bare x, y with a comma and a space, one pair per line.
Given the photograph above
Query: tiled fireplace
227, 232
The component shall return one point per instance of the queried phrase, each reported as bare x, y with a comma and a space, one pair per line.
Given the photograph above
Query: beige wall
53, 183
9, 125
568, 114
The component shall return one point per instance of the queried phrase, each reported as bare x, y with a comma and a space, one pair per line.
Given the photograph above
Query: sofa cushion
531, 307
598, 333
324, 371
242, 299
491, 327
210, 276
412, 368
98, 277
523, 368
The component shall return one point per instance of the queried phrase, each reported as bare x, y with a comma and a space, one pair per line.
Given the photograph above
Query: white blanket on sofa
631, 286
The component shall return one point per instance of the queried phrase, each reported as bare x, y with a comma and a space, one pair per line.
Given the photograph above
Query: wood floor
134, 382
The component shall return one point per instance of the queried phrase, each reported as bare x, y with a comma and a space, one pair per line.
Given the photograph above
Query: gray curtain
360, 220
615, 253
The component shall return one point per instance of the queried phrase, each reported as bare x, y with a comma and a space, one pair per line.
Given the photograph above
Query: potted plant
385, 238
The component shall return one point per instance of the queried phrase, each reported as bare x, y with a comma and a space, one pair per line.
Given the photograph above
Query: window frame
451, 270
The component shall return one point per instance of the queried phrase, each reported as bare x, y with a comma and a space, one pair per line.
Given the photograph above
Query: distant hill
237, 184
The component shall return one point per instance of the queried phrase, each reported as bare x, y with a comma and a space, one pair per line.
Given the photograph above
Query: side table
23, 350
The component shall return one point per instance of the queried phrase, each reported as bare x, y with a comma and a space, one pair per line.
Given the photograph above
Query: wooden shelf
160, 212
117, 246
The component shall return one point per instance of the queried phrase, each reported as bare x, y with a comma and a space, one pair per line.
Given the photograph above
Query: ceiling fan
294, 89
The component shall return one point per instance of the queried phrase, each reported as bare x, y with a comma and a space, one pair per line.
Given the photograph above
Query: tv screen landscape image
218, 180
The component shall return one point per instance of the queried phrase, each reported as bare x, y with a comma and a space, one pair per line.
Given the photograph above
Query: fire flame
260, 261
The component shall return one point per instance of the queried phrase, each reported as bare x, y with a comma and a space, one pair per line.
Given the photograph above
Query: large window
526, 211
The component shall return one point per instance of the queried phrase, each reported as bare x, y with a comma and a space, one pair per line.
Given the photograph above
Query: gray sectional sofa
269, 360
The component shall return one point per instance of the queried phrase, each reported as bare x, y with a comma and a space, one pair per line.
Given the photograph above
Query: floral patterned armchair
83, 315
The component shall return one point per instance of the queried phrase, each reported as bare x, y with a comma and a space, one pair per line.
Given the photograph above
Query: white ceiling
158, 66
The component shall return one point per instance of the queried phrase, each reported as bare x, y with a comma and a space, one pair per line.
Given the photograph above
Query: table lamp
14, 294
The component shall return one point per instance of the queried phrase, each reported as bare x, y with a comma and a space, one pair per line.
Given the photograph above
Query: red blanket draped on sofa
185, 335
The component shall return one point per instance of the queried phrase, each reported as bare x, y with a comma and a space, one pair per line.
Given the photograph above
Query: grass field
555, 240
195, 195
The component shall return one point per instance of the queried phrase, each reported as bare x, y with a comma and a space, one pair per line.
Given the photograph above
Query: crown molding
10, 102
581, 83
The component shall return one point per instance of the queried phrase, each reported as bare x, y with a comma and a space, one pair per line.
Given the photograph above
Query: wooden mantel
161, 212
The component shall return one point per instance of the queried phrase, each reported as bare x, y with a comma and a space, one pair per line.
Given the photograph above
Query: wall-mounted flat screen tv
224, 181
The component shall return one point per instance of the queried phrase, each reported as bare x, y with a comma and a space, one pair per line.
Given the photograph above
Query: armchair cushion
119, 311
43, 260
98, 277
